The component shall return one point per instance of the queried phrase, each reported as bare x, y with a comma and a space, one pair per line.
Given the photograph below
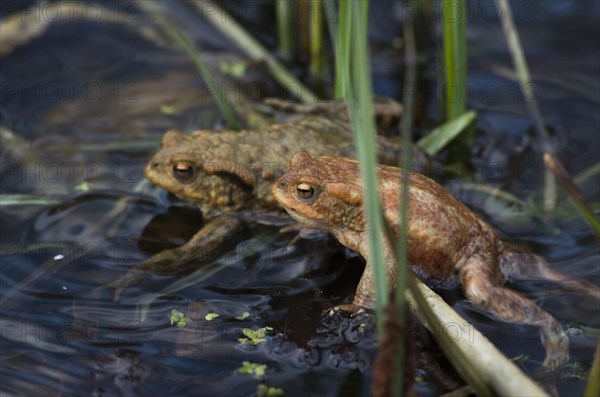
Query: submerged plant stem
567, 183
285, 29
252, 48
528, 92
172, 30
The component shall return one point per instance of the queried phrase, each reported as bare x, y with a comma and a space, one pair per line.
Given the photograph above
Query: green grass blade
587, 174
357, 83
317, 49
455, 57
342, 50
225, 108
401, 247
593, 385
437, 139
364, 128
172, 30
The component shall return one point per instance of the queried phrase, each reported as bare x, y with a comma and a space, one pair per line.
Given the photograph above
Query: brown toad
225, 171
447, 244
230, 170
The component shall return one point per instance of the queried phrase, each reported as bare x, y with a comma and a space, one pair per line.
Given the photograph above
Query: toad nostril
281, 185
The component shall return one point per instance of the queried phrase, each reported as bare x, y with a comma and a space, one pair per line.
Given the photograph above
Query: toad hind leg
516, 264
482, 285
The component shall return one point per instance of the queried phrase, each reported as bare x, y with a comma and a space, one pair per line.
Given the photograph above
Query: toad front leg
206, 246
364, 297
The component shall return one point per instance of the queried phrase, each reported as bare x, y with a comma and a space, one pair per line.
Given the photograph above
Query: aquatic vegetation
178, 318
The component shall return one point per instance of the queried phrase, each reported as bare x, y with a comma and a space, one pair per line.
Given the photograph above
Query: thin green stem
342, 50
285, 28
408, 99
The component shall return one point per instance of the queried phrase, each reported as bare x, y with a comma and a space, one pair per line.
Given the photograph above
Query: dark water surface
85, 97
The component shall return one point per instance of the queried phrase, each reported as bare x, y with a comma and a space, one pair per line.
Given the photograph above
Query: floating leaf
83, 187
254, 337
178, 318
235, 69
167, 109
211, 316
253, 368
268, 391
244, 316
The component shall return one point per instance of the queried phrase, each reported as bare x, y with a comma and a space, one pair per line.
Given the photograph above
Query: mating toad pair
448, 244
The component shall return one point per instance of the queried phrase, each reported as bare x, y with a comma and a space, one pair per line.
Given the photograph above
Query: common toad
225, 171
447, 243
231, 170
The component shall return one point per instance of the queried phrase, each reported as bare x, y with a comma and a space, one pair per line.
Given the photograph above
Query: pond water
83, 107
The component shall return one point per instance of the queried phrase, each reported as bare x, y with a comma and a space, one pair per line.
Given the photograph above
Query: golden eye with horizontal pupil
305, 191
183, 171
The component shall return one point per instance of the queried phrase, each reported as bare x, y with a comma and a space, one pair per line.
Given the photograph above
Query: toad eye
305, 191
183, 171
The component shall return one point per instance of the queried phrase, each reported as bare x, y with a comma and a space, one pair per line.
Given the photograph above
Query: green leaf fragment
268, 391
168, 110
254, 337
211, 316
244, 316
235, 69
83, 187
256, 369
178, 319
